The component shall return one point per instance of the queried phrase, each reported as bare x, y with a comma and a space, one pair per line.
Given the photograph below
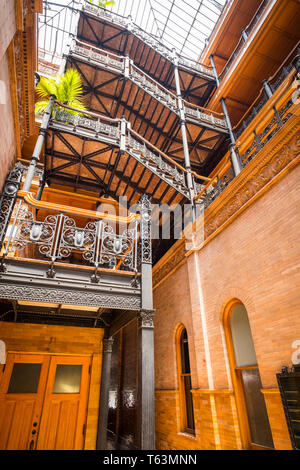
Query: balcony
125, 67
65, 255
265, 119
255, 58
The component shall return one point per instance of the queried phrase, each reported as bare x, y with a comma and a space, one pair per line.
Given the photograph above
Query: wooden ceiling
120, 40
110, 94
267, 49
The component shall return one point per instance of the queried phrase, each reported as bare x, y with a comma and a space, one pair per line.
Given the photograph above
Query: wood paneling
62, 340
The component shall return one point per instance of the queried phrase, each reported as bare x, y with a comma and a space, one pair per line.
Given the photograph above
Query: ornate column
190, 180
234, 155
104, 394
146, 411
39, 144
146, 390
8, 198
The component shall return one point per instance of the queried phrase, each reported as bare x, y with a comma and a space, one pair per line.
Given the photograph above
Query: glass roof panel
183, 24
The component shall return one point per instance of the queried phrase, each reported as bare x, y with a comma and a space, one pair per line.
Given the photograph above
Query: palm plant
67, 88
104, 3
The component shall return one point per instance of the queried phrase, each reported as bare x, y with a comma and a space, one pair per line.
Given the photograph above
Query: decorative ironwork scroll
145, 37
57, 237
146, 318
145, 230
8, 198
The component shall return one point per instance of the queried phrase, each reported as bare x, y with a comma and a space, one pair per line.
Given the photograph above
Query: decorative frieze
107, 345
14, 291
146, 318
263, 170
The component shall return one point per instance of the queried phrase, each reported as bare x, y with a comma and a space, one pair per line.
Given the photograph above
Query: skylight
183, 24
180, 24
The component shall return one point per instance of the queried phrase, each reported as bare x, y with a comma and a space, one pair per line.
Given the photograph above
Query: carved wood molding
278, 157
265, 168
171, 261
22, 55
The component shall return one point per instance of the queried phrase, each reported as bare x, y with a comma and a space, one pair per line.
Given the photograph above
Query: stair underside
108, 93
118, 39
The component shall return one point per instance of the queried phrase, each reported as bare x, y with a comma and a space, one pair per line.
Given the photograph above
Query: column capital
107, 345
146, 318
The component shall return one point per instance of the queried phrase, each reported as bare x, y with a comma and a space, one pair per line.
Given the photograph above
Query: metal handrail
241, 41
274, 82
146, 142
200, 112
161, 48
30, 200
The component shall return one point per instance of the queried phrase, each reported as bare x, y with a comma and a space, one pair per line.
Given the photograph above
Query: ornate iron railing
102, 242
261, 137
119, 133
8, 198
128, 69
246, 32
150, 40
274, 83
273, 117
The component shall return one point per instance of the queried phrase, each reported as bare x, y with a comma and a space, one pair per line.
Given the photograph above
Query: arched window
254, 423
185, 385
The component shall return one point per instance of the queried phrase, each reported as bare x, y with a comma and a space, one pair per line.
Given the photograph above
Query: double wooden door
43, 402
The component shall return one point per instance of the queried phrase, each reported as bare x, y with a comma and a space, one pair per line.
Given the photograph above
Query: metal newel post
104, 394
235, 160
39, 144
146, 398
123, 134
267, 88
244, 35
126, 67
211, 58
234, 155
69, 47
40, 190
190, 181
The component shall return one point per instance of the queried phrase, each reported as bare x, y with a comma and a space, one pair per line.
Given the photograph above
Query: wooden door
65, 406
43, 402
22, 391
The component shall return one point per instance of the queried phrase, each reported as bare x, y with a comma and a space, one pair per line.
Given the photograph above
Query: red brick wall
7, 24
7, 136
255, 259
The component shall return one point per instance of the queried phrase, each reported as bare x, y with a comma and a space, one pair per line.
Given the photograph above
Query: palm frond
45, 87
71, 85
77, 104
67, 88
41, 106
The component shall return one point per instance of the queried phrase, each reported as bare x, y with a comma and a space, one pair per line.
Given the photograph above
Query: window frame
181, 383
237, 381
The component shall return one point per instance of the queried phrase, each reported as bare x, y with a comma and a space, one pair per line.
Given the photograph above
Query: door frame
237, 381
50, 360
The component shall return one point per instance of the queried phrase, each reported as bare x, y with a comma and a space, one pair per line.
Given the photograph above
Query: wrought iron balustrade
246, 32
128, 69
274, 118
150, 40
208, 193
98, 127
274, 83
118, 132
103, 242
262, 137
